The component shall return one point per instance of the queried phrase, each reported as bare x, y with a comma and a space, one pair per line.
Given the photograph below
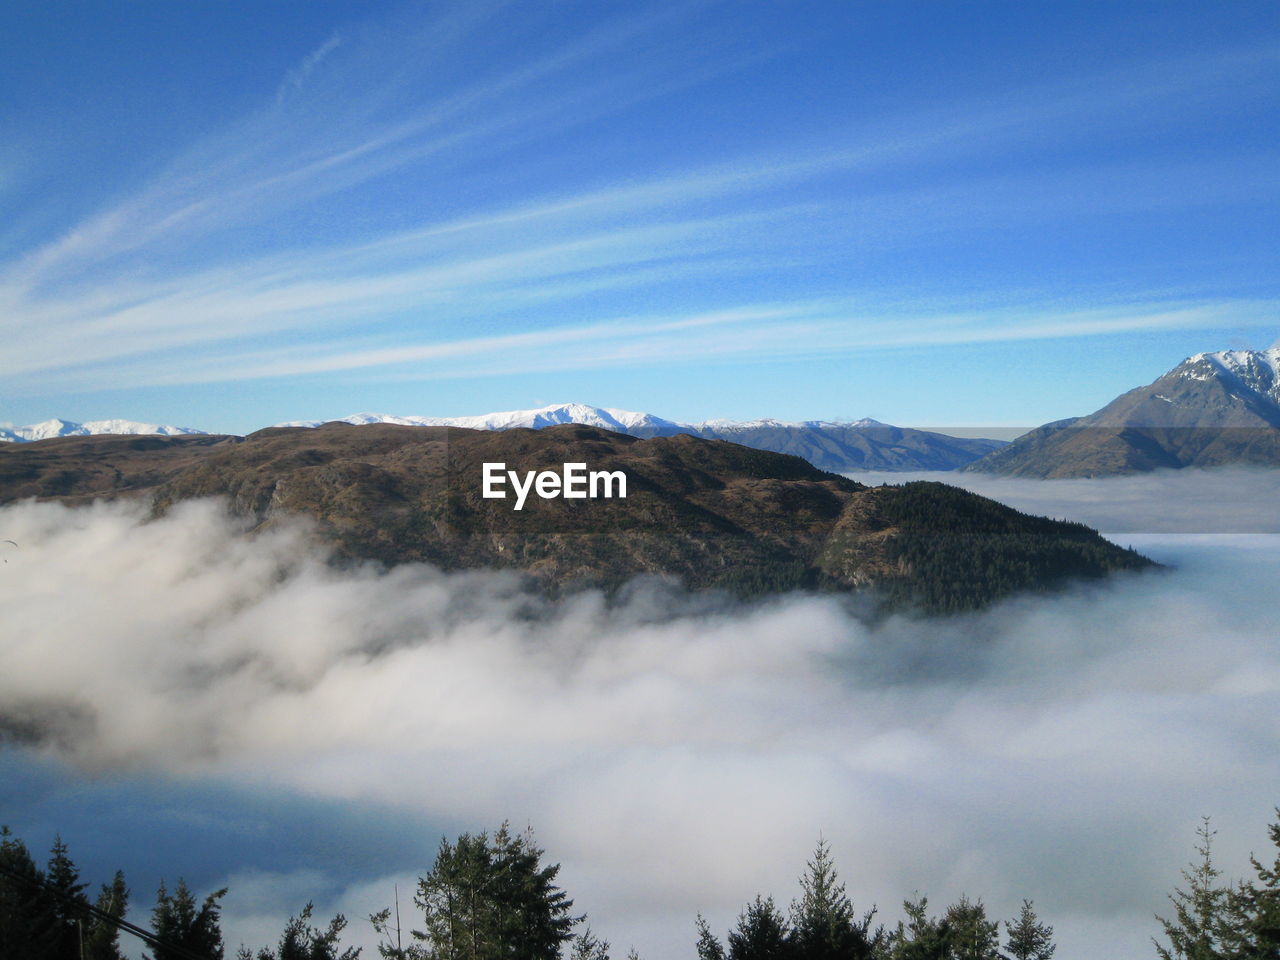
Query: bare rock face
708, 513
1210, 410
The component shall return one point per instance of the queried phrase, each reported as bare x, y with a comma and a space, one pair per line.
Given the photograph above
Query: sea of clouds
675, 753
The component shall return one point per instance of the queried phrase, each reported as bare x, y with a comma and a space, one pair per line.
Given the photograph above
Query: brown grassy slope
76, 469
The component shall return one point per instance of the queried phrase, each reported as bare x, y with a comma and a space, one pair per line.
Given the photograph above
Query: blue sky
227, 215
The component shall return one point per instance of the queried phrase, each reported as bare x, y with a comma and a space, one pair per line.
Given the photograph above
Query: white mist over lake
677, 754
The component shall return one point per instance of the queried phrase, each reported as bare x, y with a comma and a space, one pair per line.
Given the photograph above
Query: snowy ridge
610, 418
620, 421
828, 444
1258, 370
55, 427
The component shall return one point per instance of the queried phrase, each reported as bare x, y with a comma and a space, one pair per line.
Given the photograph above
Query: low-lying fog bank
1221, 500
248, 714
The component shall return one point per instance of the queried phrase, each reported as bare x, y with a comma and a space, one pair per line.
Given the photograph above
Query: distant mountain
1211, 409
620, 421
69, 428
859, 445
707, 513
838, 446
829, 445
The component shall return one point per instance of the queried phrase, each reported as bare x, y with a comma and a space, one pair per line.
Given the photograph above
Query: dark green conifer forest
491, 897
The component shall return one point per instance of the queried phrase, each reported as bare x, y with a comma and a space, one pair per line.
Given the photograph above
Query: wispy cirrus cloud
216, 271
742, 332
298, 76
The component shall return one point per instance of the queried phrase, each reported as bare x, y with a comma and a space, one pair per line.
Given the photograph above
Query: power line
143, 934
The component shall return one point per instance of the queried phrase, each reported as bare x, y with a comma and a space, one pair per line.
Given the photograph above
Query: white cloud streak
298, 76
153, 290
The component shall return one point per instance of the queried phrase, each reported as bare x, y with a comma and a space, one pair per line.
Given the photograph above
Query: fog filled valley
422, 419
180, 699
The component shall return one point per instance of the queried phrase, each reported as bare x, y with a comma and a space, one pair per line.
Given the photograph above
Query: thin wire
119, 922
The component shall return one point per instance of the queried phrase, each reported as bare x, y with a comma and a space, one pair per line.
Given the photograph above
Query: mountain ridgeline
707, 513
827, 444
56, 427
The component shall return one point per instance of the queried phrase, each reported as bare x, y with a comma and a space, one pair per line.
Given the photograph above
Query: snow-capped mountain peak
609, 418
1257, 370
56, 427
621, 421
829, 444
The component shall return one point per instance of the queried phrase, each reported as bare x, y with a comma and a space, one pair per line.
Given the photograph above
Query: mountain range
1210, 410
706, 513
48, 429
838, 446
830, 445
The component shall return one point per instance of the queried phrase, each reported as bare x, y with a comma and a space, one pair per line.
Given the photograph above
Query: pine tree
1200, 911
534, 917
102, 941
67, 903
709, 947
450, 896
301, 941
1028, 938
28, 928
178, 922
487, 900
971, 936
761, 933
391, 946
1252, 928
823, 926
587, 946
922, 937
